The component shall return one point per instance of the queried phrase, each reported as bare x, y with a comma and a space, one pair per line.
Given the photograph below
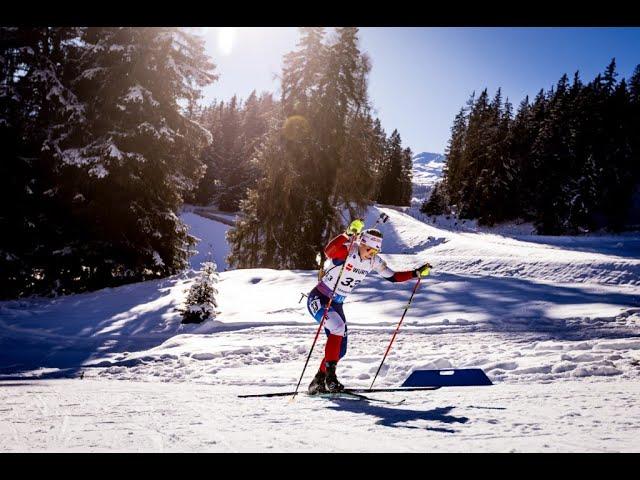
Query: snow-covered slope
427, 170
212, 241
126, 416
555, 323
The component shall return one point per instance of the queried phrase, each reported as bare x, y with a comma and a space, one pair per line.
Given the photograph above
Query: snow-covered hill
555, 323
427, 170
212, 242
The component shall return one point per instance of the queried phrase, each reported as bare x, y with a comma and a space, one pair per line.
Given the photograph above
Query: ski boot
317, 384
331, 382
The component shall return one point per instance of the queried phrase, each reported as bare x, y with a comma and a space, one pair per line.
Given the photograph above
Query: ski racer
360, 261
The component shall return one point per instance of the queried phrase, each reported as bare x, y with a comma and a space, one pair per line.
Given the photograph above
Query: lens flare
295, 128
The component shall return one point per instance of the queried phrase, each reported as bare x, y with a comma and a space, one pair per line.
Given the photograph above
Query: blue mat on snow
465, 377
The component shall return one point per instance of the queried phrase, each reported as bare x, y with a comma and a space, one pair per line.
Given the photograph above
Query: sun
226, 36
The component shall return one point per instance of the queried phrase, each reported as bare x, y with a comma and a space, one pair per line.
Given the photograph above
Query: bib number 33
348, 281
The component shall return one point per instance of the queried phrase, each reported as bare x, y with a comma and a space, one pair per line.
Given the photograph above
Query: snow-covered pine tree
201, 301
37, 105
130, 163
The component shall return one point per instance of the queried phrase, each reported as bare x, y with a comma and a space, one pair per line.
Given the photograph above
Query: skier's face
367, 252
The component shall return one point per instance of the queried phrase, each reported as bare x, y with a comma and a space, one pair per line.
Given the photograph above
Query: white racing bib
355, 270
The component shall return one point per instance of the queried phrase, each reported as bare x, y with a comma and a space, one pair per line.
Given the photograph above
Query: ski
355, 391
355, 396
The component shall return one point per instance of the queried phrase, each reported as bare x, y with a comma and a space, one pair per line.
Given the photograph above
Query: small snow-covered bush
201, 300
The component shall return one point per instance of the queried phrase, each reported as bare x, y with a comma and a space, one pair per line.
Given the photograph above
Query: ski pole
396, 332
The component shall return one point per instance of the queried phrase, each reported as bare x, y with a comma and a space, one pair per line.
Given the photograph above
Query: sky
422, 76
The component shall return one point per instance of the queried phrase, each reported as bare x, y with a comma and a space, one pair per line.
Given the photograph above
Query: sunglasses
372, 251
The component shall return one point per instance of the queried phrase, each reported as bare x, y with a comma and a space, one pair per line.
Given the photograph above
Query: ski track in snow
127, 416
553, 321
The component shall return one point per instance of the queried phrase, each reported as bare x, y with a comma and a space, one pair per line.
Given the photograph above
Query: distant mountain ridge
426, 157
427, 170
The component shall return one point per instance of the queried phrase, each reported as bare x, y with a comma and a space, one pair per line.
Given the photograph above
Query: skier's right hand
355, 227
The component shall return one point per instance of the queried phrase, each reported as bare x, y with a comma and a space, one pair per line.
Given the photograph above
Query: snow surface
107, 416
553, 321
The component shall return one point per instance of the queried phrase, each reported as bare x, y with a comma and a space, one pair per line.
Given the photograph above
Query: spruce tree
568, 161
120, 156
37, 106
201, 303
406, 176
454, 166
378, 156
316, 163
391, 192
633, 122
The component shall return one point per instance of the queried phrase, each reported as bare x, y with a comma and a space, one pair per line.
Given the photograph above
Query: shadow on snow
398, 417
121, 319
505, 304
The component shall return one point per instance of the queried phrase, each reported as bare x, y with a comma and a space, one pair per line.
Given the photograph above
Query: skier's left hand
355, 227
423, 270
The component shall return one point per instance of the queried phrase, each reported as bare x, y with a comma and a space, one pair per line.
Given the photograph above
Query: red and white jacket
355, 270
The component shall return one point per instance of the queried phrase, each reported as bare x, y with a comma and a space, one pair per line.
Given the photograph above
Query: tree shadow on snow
398, 417
19, 383
504, 304
623, 247
62, 337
